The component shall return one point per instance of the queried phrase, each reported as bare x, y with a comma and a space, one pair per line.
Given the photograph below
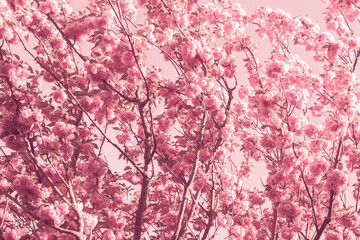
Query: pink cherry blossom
63, 130
59, 96
196, 120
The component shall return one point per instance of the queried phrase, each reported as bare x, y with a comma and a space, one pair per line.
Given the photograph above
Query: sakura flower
277, 69
288, 209
13, 234
97, 72
127, 58
109, 235
256, 199
268, 142
192, 90
337, 181
333, 236
29, 116
63, 130
90, 222
49, 7
350, 220
333, 51
59, 96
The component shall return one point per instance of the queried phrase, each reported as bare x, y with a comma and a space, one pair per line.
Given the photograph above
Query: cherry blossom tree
79, 92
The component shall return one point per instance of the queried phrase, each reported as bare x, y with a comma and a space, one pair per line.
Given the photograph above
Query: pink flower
27, 187
164, 125
277, 69
188, 51
333, 52
59, 96
319, 166
268, 142
63, 130
256, 199
274, 194
131, 177
27, 21
13, 234
99, 201
91, 104
317, 110
245, 91
317, 145
15, 143
90, 222
97, 72
288, 209
29, 116
227, 132
332, 125
337, 180
333, 236
142, 3
19, 3
350, 220
201, 181
192, 90
52, 214
109, 235
212, 102
104, 21
127, 58
116, 220
311, 129
230, 27
49, 7
220, 116
48, 143
221, 221
4, 185
227, 61
238, 231
297, 124
125, 138
130, 116
76, 31
345, 100
221, 154
227, 197
217, 71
